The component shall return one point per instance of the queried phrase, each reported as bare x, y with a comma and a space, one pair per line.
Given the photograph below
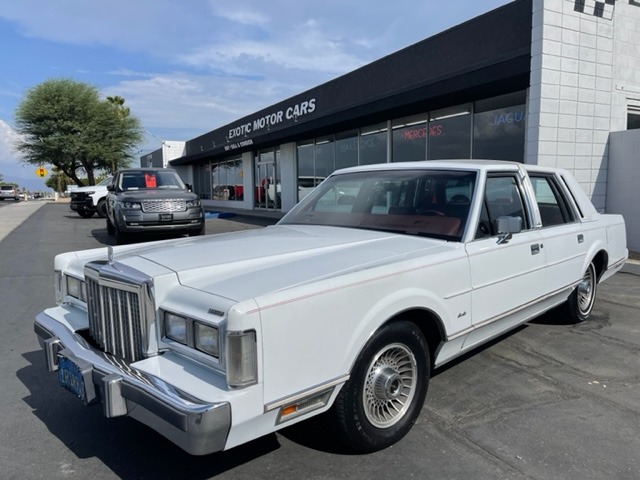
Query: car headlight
191, 333
76, 288
132, 205
175, 328
206, 339
193, 203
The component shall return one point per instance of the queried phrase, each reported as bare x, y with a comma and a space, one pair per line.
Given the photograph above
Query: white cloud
243, 16
193, 105
8, 139
210, 62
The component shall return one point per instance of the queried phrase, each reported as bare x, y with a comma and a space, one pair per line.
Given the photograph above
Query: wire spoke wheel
586, 291
390, 385
580, 303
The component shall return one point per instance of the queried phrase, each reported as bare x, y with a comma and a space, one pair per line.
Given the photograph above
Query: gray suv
151, 200
9, 191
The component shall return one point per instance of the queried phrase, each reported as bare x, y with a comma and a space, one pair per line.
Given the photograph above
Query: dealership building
545, 82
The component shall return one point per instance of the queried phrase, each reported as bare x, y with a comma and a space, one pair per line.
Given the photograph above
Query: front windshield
104, 182
150, 179
433, 203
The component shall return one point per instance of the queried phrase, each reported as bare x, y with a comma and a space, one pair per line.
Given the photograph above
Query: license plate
70, 377
166, 217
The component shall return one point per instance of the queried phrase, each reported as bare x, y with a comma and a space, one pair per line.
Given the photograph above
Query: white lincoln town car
343, 308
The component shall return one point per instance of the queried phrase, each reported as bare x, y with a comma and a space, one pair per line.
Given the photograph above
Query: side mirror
509, 225
506, 227
189, 187
111, 188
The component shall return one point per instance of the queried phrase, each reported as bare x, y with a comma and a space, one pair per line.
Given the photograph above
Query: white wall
624, 182
171, 150
626, 61
570, 98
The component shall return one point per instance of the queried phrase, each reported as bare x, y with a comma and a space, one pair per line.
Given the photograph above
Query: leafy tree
58, 181
65, 123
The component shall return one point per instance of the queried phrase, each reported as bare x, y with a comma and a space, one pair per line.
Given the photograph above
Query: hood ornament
110, 254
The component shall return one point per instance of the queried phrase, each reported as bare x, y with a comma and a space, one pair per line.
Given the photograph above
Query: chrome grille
164, 206
116, 320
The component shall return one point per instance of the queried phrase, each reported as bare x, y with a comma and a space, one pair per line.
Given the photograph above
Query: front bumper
198, 427
84, 205
131, 221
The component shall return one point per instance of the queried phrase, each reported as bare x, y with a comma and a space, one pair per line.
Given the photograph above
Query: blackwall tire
110, 228
581, 301
198, 232
101, 209
85, 213
121, 237
385, 393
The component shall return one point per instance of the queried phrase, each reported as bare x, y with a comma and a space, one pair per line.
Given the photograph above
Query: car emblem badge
110, 254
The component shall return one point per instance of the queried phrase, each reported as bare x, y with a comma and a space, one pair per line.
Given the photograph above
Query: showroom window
307, 179
409, 139
450, 133
373, 144
492, 128
346, 149
226, 180
499, 127
324, 157
267, 177
306, 164
202, 180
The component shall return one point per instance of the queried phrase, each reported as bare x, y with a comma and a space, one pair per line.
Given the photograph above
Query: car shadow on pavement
127, 447
559, 317
101, 235
317, 433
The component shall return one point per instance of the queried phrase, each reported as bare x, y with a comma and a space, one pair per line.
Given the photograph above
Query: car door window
502, 197
552, 204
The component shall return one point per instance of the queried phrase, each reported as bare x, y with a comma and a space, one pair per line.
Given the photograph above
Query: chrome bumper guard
197, 427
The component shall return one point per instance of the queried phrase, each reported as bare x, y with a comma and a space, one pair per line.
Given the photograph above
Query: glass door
268, 186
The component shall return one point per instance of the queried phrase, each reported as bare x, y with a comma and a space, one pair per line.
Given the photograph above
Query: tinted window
450, 134
551, 204
409, 139
499, 127
373, 144
502, 198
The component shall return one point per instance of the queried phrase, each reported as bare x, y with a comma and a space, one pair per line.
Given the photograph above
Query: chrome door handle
535, 249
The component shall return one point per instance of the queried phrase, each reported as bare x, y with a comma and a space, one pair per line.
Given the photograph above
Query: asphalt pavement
547, 401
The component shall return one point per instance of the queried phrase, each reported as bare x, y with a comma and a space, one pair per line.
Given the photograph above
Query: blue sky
188, 67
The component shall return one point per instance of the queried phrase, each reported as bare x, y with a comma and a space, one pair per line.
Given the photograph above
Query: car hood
247, 264
152, 194
89, 188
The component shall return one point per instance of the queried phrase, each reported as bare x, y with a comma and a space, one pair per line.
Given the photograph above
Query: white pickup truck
87, 201
346, 306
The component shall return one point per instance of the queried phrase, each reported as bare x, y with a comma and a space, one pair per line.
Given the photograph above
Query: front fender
392, 306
